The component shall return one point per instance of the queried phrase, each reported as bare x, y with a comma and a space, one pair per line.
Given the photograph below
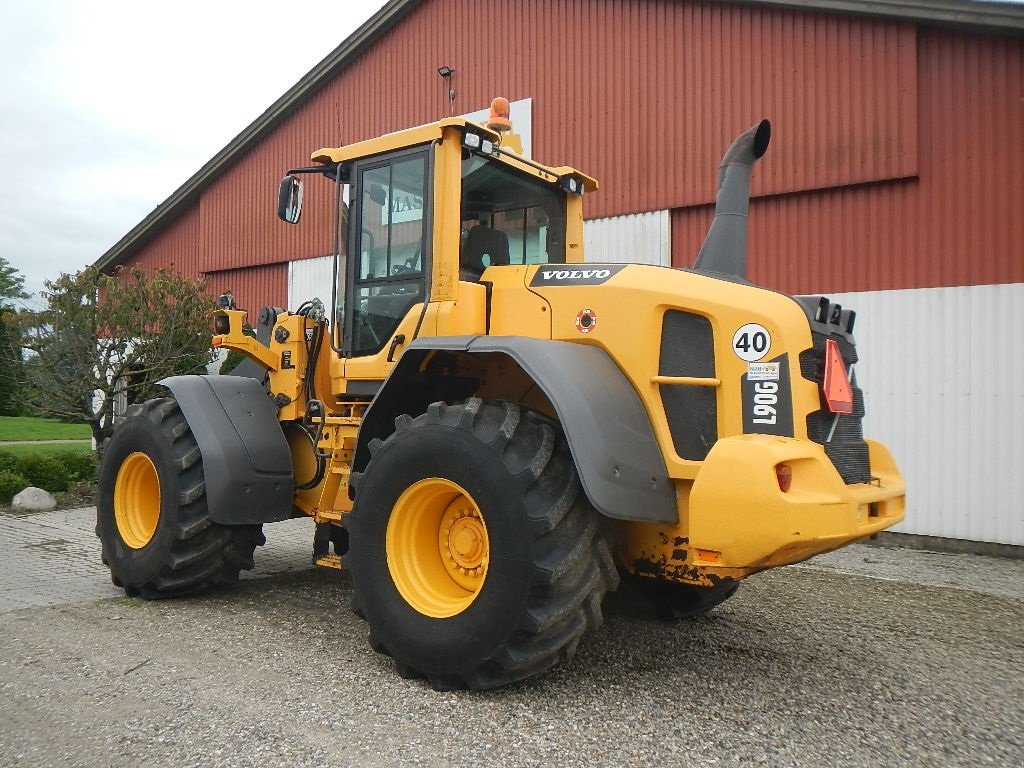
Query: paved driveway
53, 558
867, 657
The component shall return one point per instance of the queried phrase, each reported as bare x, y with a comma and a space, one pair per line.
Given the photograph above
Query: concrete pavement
53, 558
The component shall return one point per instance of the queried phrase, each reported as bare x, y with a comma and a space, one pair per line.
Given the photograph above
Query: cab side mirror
289, 200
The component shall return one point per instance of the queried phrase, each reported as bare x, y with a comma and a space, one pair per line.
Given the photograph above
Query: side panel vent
687, 349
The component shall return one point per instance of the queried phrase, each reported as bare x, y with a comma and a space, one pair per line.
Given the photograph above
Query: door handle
396, 342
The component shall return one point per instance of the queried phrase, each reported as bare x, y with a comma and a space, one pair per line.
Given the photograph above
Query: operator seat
482, 241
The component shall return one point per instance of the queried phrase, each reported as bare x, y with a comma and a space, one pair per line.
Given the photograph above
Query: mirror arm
330, 170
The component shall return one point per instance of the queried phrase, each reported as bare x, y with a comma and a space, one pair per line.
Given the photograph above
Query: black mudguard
606, 425
246, 460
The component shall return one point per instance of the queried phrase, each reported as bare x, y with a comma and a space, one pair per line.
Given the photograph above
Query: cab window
508, 217
389, 249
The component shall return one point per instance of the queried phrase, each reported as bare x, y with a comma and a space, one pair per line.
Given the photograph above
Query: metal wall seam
176, 247
957, 223
645, 95
253, 287
651, 132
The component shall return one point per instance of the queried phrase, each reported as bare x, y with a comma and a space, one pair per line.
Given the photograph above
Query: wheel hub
463, 545
437, 547
137, 500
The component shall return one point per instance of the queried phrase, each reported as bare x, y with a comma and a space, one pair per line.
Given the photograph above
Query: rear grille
847, 449
687, 349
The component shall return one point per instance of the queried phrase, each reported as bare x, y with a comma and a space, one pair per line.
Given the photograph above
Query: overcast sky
108, 106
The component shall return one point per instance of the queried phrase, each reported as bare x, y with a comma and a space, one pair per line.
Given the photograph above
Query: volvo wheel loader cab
489, 431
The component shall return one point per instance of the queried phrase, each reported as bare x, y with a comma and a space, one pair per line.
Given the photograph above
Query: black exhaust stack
725, 247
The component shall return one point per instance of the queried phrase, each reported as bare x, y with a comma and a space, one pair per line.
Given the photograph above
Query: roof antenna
446, 73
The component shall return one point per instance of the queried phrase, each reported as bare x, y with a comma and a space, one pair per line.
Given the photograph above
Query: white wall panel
309, 278
943, 377
644, 238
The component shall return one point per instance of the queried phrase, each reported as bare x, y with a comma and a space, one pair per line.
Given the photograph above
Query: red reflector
784, 474
837, 389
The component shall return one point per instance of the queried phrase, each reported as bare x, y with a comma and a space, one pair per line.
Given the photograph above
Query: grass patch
31, 428
27, 448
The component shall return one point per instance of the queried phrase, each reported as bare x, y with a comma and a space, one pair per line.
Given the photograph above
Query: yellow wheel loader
489, 431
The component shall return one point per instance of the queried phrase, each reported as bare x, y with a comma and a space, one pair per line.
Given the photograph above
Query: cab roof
424, 134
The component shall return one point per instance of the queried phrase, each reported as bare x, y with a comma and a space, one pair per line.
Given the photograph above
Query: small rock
34, 500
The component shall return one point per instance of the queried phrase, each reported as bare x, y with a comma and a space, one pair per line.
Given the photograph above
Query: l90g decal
574, 274
767, 398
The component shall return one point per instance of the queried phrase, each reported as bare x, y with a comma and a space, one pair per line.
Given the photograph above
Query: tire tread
203, 554
573, 567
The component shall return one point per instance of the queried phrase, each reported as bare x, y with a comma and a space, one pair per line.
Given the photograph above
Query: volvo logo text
593, 275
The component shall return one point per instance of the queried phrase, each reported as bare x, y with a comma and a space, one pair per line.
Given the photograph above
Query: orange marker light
709, 555
836, 386
498, 120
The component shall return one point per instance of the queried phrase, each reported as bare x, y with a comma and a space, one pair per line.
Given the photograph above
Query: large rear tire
152, 518
476, 557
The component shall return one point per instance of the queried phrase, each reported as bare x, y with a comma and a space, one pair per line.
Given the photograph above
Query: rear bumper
734, 520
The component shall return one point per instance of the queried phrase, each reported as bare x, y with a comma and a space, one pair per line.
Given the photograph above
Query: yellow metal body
734, 520
733, 517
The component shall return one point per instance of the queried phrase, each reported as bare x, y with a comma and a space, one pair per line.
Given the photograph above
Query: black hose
313, 343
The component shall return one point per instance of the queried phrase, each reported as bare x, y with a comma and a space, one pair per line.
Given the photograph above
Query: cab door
390, 255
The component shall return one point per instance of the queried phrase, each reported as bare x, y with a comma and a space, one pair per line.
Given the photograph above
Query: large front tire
152, 518
476, 557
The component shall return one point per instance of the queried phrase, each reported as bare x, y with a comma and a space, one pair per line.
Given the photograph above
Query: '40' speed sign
751, 342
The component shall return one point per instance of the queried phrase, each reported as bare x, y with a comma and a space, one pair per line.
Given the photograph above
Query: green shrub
44, 471
8, 462
231, 362
11, 483
81, 467
234, 357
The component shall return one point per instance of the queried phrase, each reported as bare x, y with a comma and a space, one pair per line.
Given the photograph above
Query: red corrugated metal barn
893, 184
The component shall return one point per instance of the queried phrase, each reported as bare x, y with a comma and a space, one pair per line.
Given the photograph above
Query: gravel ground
817, 665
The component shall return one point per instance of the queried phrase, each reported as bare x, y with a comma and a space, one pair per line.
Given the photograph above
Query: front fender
246, 461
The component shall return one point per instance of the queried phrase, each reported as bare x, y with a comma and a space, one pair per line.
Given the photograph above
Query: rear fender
246, 461
609, 433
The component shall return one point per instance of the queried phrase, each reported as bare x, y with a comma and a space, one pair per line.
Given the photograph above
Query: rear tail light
709, 556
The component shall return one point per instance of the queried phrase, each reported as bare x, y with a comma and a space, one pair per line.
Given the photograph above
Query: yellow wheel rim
437, 548
137, 500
